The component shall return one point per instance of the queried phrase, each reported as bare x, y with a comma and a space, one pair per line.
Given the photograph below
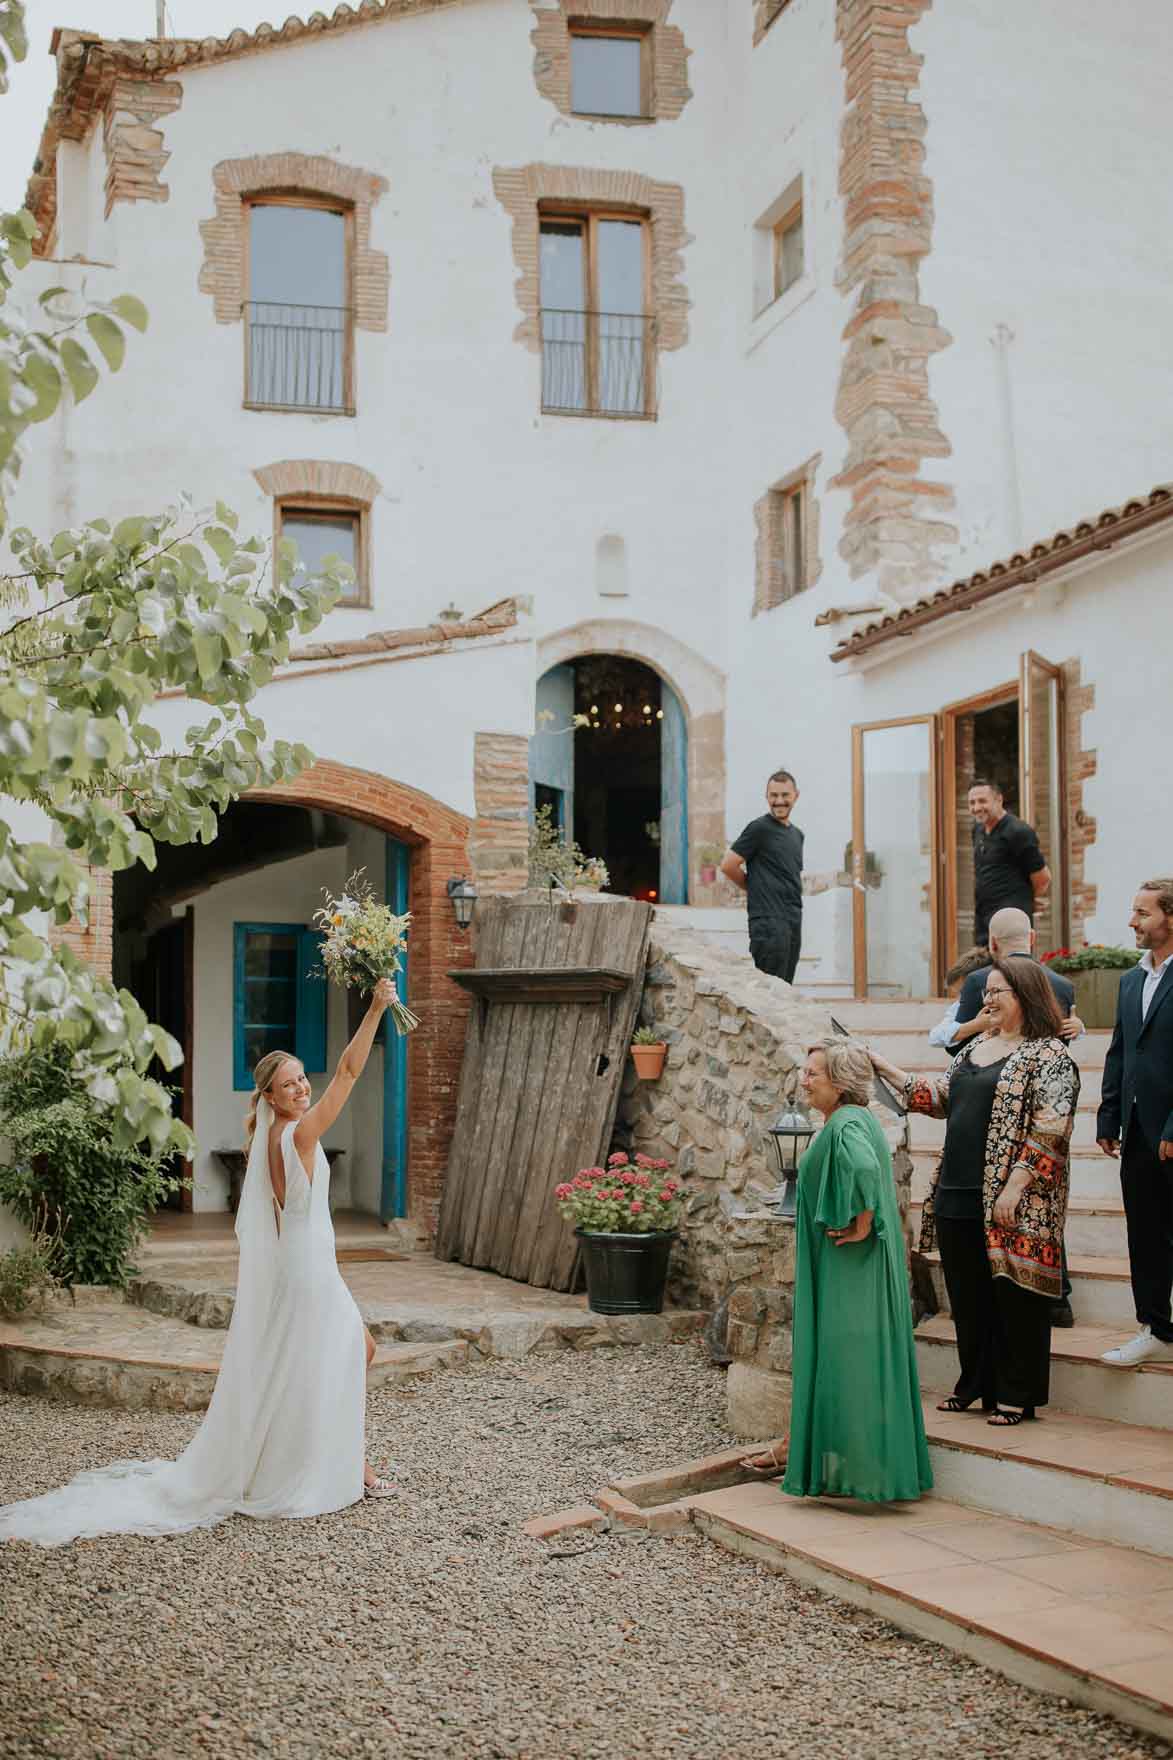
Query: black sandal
1004, 1420
953, 1404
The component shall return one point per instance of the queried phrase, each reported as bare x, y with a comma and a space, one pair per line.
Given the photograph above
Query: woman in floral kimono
998, 1201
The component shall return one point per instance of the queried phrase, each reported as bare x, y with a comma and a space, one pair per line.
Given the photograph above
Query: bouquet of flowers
361, 943
628, 1196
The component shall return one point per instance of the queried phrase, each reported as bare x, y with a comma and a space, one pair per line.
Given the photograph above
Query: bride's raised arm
321, 1116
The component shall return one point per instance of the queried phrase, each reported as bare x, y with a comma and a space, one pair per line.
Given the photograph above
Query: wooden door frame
995, 698
859, 851
1028, 807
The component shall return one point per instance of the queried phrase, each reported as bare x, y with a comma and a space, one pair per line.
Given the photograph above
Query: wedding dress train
283, 1434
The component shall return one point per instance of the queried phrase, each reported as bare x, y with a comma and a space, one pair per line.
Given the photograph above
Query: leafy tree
94, 623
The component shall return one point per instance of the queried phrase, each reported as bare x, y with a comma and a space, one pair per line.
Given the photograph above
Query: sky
22, 111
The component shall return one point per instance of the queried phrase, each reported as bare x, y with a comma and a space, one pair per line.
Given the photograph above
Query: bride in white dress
283, 1434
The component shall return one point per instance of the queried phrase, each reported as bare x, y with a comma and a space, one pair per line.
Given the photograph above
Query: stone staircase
1044, 1551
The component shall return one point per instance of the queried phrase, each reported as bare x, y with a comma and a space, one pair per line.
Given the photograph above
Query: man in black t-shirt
1009, 868
766, 863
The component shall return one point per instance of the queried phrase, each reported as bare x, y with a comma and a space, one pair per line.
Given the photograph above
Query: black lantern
790, 1134
463, 894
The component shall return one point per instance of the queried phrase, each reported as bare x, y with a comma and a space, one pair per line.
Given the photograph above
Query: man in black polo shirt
766, 863
1009, 867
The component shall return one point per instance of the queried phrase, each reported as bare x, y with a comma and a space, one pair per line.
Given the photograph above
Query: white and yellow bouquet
362, 941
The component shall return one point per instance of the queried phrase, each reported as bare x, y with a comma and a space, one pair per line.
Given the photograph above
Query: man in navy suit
1136, 1115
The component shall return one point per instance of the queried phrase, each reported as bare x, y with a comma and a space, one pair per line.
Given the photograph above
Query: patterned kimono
1030, 1128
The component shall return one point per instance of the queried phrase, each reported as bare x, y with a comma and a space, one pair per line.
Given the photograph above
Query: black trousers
1003, 1332
1147, 1184
774, 947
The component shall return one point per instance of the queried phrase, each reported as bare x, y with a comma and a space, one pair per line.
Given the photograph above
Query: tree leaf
132, 311
80, 370
108, 337
44, 381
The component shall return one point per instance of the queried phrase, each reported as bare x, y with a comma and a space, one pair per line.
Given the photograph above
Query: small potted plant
591, 875
625, 1216
708, 855
1095, 972
648, 1052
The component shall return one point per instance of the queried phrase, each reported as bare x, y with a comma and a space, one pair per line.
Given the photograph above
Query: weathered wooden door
556, 989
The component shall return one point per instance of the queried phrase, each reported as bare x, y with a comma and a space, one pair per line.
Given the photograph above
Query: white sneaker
1144, 1348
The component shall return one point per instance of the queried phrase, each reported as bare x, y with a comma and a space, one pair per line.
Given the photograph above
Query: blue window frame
278, 1002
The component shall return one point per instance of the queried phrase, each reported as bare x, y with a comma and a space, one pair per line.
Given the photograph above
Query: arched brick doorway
699, 687
438, 841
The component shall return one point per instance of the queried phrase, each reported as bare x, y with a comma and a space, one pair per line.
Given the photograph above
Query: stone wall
736, 1042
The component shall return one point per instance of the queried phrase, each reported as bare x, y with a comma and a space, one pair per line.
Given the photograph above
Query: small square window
789, 251
607, 73
320, 531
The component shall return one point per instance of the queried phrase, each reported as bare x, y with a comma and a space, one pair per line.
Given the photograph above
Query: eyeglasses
989, 995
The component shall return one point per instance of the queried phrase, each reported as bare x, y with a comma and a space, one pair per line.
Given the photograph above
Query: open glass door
1042, 790
894, 857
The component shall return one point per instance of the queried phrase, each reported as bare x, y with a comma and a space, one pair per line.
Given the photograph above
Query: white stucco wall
288, 892
1047, 145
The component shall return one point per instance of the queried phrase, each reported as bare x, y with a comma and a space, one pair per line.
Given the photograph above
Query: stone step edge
1019, 1455
1106, 1267
970, 1635
510, 1337
1066, 1347
389, 1356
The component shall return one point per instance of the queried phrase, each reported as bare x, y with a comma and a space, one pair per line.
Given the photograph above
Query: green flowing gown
856, 1424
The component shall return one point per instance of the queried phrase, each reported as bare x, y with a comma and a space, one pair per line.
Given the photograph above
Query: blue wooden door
551, 749
393, 1198
673, 799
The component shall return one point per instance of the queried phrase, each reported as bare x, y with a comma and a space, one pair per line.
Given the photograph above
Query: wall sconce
463, 894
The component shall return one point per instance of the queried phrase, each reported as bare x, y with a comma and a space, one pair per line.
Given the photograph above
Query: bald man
1012, 936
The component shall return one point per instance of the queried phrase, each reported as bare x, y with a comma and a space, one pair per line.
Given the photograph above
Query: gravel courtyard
428, 1625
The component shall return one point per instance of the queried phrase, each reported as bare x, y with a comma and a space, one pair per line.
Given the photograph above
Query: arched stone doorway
695, 692
263, 881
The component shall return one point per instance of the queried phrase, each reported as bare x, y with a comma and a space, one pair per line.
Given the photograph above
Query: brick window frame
665, 82
324, 486
771, 513
224, 271
526, 191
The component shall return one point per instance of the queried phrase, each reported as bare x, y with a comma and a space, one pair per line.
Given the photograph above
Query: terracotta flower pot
649, 1061
708, 874
1096, 995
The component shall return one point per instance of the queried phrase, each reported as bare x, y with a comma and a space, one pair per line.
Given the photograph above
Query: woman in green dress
856, 1423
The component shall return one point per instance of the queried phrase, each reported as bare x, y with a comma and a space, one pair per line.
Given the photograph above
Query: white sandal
379, 1488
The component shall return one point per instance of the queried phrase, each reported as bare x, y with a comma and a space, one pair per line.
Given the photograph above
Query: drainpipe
1000, 343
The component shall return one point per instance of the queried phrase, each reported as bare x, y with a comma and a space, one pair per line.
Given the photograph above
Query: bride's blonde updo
263, 1076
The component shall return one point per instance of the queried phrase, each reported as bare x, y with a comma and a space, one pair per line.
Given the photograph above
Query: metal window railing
598, 363
298, 356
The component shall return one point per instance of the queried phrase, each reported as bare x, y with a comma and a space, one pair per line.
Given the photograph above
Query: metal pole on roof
160, 18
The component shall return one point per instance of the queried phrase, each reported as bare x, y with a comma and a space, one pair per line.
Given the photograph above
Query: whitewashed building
717, 370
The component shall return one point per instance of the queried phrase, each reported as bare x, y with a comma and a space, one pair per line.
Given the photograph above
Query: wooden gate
557, 986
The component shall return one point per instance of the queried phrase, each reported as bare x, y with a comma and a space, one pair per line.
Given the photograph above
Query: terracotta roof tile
432, 636
1115, 525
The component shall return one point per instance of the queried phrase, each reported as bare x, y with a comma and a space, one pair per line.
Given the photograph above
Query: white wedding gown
283, 1434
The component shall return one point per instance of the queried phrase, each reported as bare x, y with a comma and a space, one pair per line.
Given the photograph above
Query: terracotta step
929, 1133
1090, 1622
1101, 1290
1103, 1481
1080, 1382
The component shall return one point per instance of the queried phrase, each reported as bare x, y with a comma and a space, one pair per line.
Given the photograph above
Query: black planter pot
626, 1273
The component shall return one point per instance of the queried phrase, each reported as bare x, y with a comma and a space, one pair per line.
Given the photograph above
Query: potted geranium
708, 855
648, 1052
625, 1216
1095, 972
